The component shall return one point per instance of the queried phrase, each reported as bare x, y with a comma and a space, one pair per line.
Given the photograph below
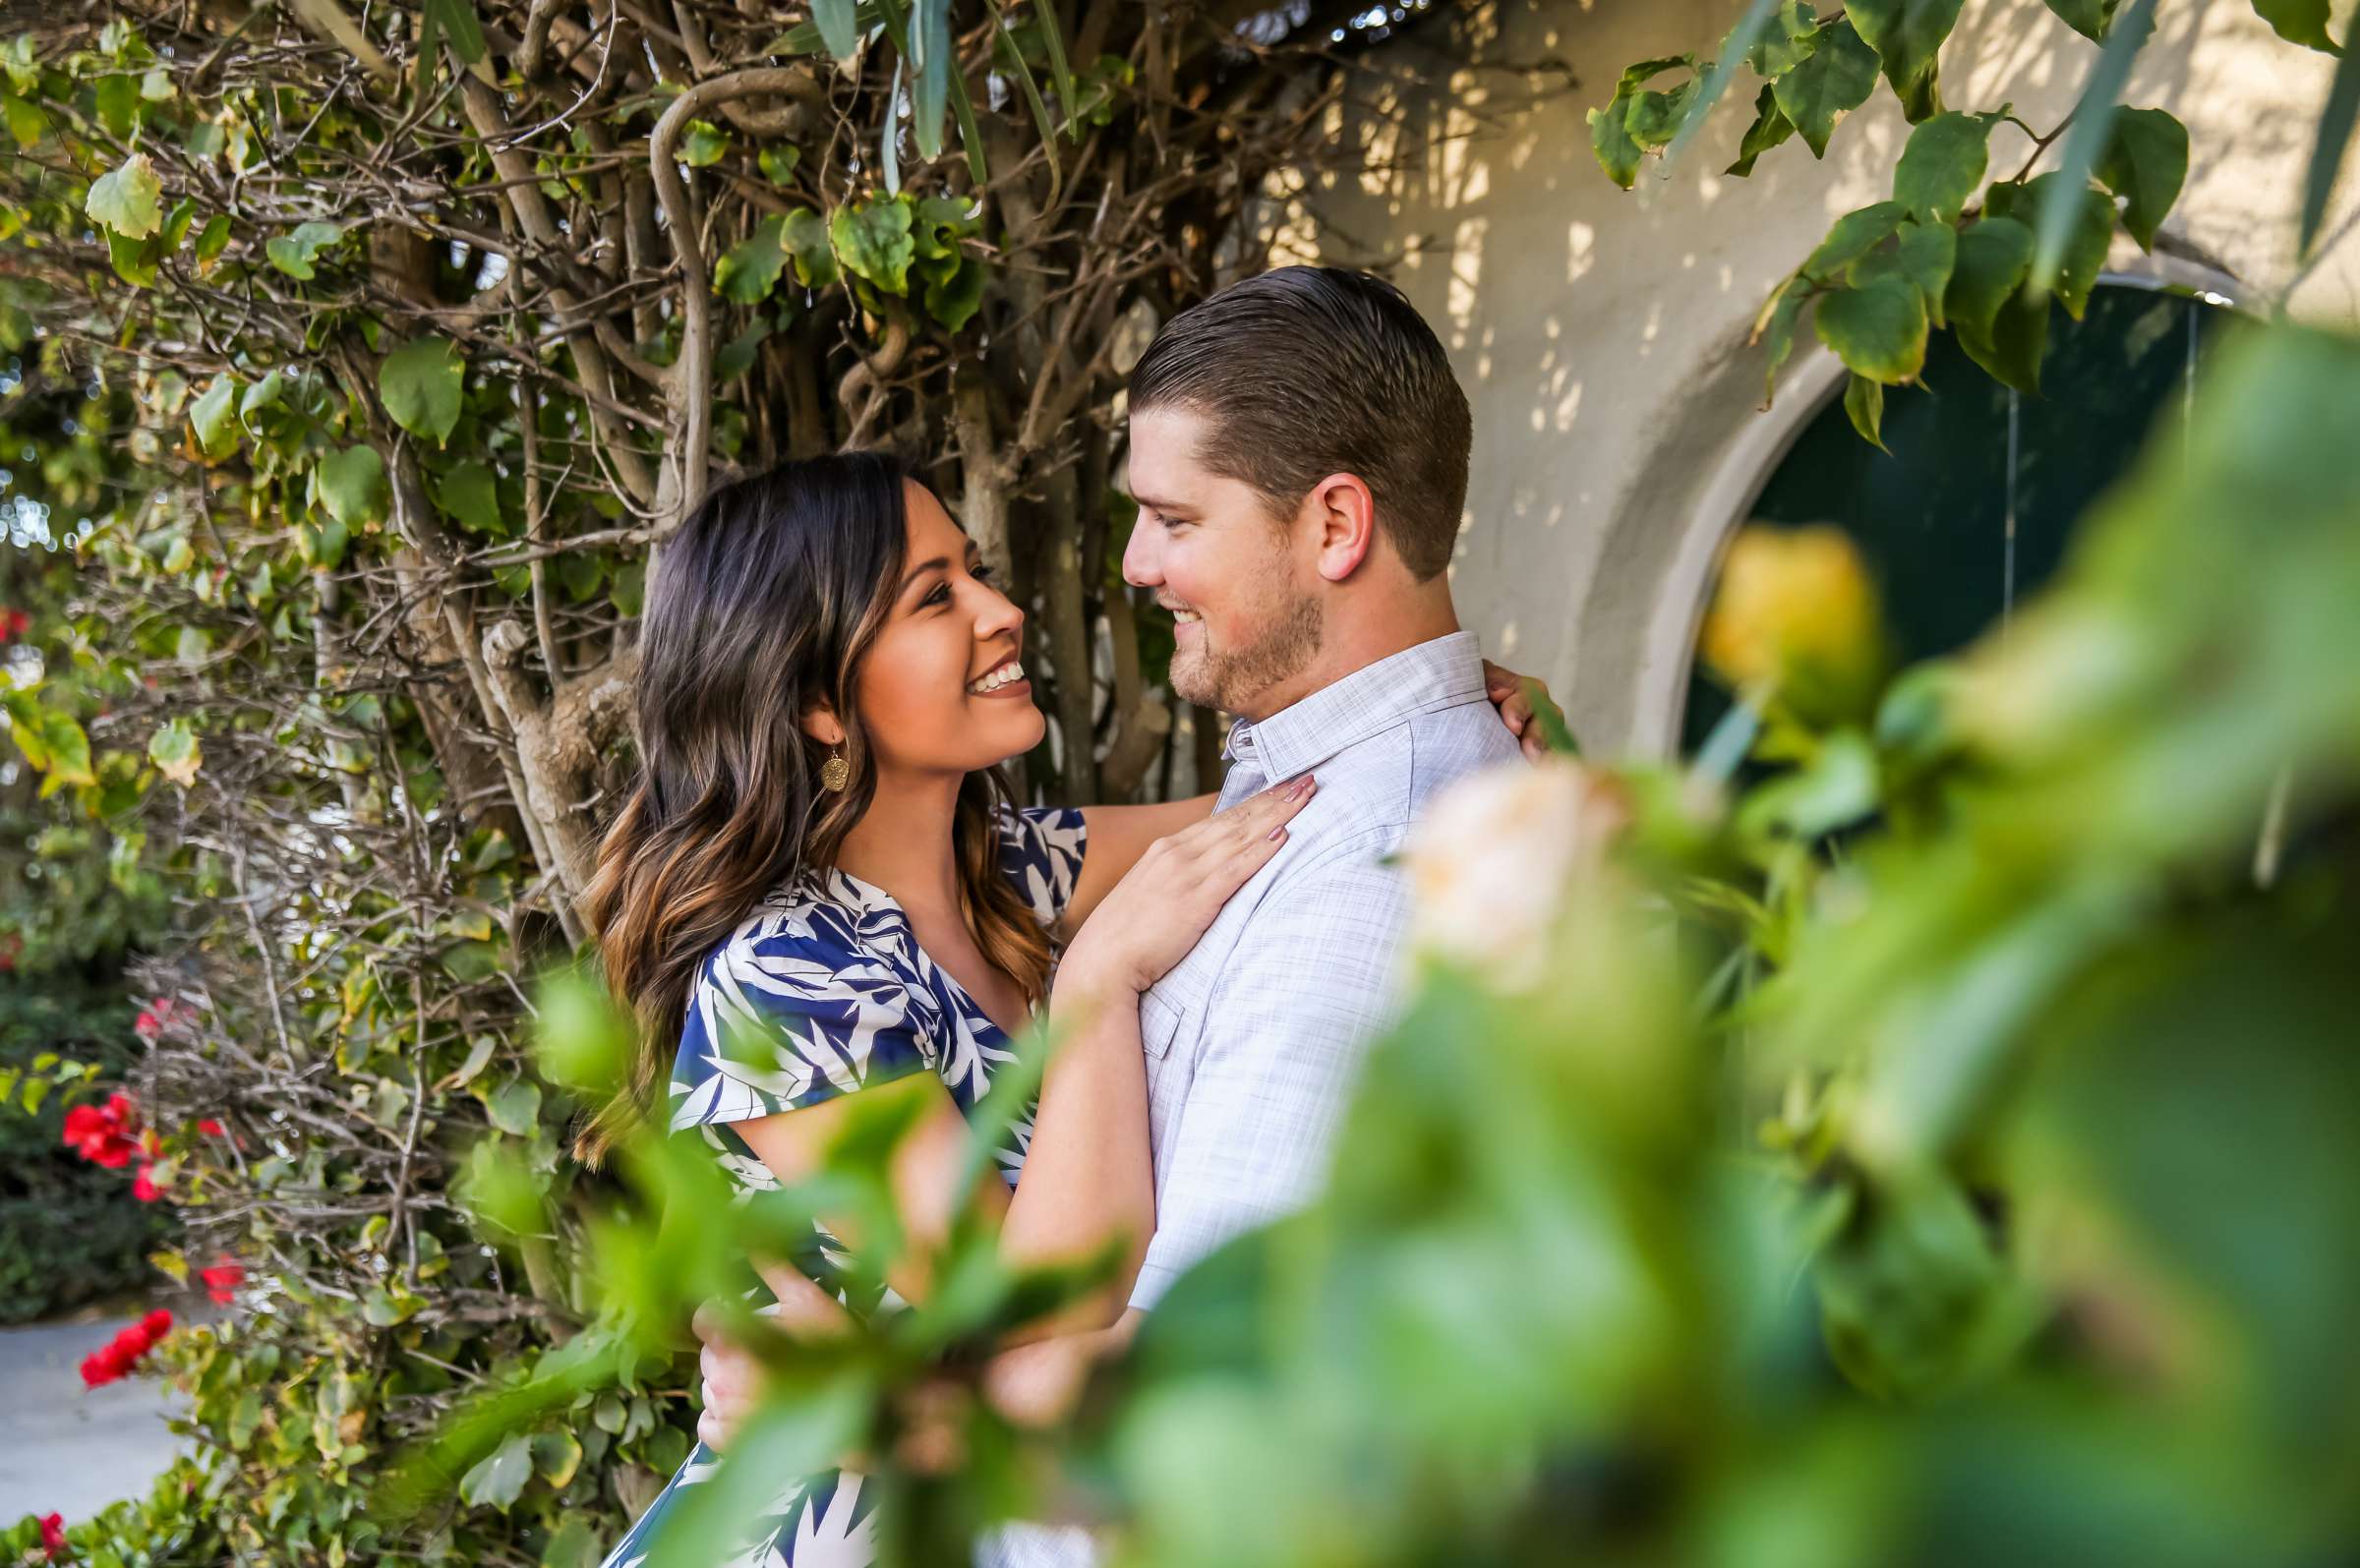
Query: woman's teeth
1186, 617
1005, 676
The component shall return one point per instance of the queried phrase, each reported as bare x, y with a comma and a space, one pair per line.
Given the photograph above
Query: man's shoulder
1449, 743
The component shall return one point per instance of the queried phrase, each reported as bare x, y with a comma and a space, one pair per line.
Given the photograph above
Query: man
1299, 451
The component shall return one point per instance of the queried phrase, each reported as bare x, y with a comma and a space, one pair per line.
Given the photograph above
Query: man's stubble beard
1230, 678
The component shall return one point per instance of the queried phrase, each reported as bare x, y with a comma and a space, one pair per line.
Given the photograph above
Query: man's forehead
1163, 449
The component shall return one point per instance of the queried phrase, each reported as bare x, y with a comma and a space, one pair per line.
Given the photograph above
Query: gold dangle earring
835, 773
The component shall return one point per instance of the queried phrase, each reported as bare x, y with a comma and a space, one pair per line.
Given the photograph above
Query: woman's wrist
1088, 976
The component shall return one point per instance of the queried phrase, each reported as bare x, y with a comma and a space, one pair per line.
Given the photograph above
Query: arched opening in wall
1974, 508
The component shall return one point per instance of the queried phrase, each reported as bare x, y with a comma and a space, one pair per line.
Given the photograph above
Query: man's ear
819, 723
1344, 514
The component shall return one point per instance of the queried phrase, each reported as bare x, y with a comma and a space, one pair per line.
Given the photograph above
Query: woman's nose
997, 615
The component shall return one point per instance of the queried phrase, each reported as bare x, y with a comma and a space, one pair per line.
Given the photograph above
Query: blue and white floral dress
829, 982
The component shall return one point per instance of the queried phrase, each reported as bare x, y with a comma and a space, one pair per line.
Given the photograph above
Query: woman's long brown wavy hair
760, 610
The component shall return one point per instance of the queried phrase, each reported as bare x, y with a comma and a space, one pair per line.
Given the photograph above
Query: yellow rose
1796, 620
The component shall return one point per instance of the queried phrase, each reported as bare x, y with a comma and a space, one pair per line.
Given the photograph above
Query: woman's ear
819, 723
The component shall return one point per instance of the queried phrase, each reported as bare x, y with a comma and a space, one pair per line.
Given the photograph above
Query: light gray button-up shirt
1253, 1039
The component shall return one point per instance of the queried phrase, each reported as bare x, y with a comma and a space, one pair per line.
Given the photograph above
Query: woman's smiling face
942, 690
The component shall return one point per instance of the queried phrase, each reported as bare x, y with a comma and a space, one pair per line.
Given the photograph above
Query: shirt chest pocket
1159, 1024
1170, 1067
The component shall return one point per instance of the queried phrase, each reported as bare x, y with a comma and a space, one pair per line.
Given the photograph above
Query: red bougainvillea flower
222, 1280
53, 1535
143, 1188
104, 1135
121, 1354
12, 948
13, 624
213, 1128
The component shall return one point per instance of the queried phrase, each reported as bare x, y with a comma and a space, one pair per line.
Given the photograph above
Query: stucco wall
1600, 333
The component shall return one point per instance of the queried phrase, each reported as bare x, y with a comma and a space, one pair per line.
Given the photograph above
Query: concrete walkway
66, 1449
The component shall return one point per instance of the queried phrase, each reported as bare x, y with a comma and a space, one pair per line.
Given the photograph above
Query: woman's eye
940, 594
983, 572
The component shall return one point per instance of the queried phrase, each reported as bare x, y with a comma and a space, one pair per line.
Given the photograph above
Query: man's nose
1141, 568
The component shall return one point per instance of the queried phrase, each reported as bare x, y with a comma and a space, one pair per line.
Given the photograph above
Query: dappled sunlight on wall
1601, 333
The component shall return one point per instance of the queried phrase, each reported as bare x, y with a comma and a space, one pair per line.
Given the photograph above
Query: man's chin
1191, 683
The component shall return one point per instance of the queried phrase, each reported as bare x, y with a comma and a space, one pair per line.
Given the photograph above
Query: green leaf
1787, 41
1943, 165
461, 28
293, 254
352, 485
1654, 118
2011, 351
174, 750
498, 1477
1877, 330
469, 494
778, 164
324, 543
24, 728
515, 1107
1921, 256
470, 962
838, 27
2303, 22
1610, 141
557, 1456
748, 270
805, 237
127, 200
118, 101
1864, 406
212, 240
954, 301
2059, 216
872, 241
1907, 36
214, 417
2326, 152
134, 261
1775, 330
736, 356
1004, 45
2088, 232
27, 124
1991, 260
420, 383
932, 60
1770, 128
573, 1544
69, 752
1061, 72
2089, 18
1853, 236
2146, 164
704, 143
266, 393
1837, 79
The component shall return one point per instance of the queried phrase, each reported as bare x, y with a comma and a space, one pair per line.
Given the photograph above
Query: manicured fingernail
1303, 787
1278, 833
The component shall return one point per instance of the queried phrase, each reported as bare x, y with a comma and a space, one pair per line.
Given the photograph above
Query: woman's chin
1009, 741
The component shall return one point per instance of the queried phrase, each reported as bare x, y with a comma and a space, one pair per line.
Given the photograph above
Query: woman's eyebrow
937, 564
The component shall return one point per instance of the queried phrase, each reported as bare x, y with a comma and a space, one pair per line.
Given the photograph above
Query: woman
819, 889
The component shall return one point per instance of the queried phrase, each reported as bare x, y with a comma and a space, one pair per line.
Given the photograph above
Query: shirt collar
1442, 673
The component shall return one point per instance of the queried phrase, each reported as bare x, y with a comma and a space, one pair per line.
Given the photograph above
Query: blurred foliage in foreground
1945, 1151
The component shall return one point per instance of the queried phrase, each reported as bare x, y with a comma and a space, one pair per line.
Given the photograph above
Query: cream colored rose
1492, 860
